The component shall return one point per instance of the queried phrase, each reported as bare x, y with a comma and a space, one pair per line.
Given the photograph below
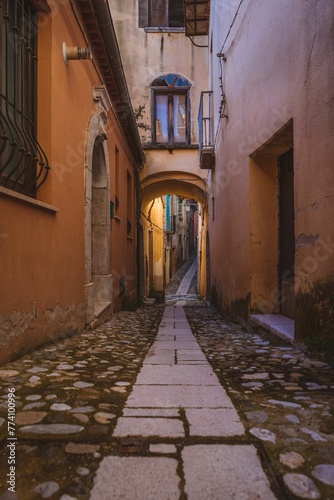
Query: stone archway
98, 287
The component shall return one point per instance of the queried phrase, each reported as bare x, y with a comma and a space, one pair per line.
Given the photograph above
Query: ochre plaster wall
278, 68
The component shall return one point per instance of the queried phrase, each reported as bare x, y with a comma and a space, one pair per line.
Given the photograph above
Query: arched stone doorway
98, 285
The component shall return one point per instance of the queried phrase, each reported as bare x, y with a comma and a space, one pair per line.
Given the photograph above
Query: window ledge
118, 218
163, 29
169, 148
129, 238
30, 201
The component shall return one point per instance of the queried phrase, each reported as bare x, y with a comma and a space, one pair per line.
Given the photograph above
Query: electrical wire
196, 44
229, 31
152, 223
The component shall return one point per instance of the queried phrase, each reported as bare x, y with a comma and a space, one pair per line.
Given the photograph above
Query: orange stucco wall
42, 252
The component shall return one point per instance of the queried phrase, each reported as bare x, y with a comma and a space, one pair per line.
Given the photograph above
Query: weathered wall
42, 248
278, 68
147, 55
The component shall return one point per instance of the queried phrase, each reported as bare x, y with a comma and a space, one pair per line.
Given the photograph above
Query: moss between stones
314, 313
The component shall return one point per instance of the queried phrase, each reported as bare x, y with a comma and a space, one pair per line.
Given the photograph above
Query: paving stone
120, 390
314, 435
263, 434
37, 369
51, 429
47, 489
286, 404
160, 357
324, 473
81, 418
163, 448
292, 418
257, 416
29, 417
81, 448
190, 355
82, 409
301, 485
4, 374
177, 375
214, 422
184, 345
291, 459
179, 396
33, 397
2, 421
224, 472
83, 471
256, 376
103, 417
149, 426
136, 478
150, 412
82, 385
32, 406
60, 407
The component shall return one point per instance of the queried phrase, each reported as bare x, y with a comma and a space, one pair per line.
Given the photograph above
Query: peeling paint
22, 331
304, 239
15, 325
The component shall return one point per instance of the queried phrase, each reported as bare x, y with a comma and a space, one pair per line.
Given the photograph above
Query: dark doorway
286, 233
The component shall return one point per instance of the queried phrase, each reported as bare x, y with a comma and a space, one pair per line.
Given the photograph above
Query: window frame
146, 7
24, 165
170, 92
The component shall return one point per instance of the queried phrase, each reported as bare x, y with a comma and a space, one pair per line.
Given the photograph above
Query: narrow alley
170, 402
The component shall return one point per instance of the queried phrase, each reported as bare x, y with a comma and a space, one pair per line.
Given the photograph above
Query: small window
171, 123
161, 13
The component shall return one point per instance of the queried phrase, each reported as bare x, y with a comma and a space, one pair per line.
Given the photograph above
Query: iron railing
23, 163
205, 129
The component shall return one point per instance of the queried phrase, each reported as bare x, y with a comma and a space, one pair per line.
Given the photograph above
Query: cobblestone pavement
76, 426
68, 397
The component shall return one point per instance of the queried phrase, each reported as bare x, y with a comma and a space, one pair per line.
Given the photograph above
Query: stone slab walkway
175, 400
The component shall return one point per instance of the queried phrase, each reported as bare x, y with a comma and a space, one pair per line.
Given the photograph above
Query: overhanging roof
197, 16
99, 29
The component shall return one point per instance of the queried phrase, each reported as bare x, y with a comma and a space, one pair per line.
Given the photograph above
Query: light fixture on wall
75, 53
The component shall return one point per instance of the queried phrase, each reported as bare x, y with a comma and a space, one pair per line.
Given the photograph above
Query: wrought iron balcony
205, 129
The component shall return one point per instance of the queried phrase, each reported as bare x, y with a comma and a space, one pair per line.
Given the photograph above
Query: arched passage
168, 225
188, 185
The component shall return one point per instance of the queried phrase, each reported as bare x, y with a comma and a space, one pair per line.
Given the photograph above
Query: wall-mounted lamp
75, 53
